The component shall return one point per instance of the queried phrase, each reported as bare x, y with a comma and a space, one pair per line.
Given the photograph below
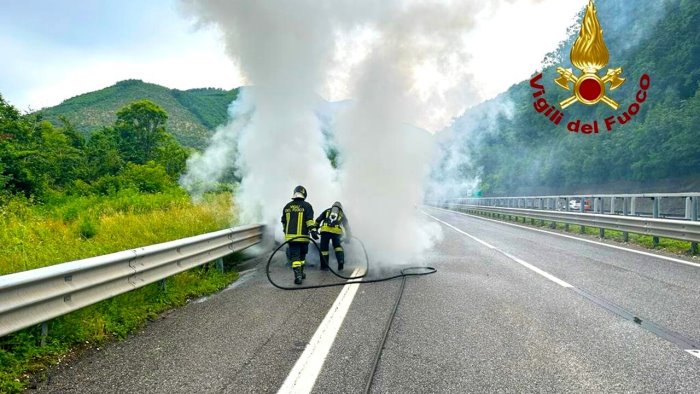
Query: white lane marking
539, 271
488, 245
694, 352
679, 261
303, 376
510, 256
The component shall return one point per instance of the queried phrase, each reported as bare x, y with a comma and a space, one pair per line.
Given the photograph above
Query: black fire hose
402, 273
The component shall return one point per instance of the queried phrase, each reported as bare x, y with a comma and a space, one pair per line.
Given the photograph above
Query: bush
87, 228
147, 178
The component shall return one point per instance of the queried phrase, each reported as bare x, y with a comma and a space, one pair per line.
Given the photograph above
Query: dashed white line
694, 352
664, 334
535, 269
303, 376
488, 245
679, 261
510, 256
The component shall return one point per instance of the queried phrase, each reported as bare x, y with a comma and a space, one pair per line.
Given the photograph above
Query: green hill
508, 148
192, 114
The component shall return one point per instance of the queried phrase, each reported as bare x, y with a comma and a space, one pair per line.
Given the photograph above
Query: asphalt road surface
510, 310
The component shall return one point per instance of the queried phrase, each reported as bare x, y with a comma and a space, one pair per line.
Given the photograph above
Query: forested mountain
193, 114
505, 147
39, 161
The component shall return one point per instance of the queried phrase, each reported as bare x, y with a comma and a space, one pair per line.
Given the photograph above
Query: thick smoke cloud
385, 156
282, 48
412, 81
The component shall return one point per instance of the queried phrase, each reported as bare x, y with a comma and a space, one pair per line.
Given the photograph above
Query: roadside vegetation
64, 197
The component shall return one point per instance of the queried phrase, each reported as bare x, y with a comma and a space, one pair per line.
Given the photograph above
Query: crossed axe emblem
567, 76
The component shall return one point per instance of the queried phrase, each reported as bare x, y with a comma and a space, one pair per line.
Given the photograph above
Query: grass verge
75, 228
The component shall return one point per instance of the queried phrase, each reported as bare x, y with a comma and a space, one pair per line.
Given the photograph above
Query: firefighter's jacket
297, 219
327, 225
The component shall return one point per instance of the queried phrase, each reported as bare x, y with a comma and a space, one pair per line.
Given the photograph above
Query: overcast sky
53, 50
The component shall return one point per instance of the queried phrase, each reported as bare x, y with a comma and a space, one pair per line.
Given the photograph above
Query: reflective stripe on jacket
329, 226
297, 219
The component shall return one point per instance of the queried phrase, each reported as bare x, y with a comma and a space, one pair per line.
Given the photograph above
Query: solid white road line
694, 352
679, 261
303, 376
510, 256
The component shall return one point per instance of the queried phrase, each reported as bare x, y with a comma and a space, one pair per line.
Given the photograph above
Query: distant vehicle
575, 205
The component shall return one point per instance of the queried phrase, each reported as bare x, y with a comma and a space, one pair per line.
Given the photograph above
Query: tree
140, 128
172, 156
103, 155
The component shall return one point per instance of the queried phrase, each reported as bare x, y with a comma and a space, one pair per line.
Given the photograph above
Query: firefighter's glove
314, 234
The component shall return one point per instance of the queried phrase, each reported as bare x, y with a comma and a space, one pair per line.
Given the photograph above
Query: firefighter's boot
340, 256
297, 276
303, 274
324, 261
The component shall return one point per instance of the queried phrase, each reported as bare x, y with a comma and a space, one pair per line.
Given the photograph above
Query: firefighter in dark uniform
298, 220
330, 222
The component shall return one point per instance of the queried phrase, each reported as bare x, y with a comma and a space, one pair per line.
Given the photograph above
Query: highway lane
483, 323
661, 291
245, 339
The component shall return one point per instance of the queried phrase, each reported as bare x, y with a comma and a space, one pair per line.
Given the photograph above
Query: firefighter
330, 222
298, 220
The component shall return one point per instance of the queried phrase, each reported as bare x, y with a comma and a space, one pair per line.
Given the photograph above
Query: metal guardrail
657, 205
666, 228
36, 296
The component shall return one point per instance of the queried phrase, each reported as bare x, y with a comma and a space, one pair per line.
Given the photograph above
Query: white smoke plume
411, 79
206, 169
282, 48
385, 157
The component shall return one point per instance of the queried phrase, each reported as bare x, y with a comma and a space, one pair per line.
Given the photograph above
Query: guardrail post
694, 217
162, 285
568, 209
688, 208
633, 206
581, 207
220, 264
655, 212
612, 205
625, 234
552, 206
44, 333
601, 211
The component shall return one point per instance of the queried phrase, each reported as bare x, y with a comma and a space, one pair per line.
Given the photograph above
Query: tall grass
71, 229
66, 229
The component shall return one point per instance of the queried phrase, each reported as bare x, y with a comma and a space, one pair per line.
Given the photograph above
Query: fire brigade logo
590, 54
